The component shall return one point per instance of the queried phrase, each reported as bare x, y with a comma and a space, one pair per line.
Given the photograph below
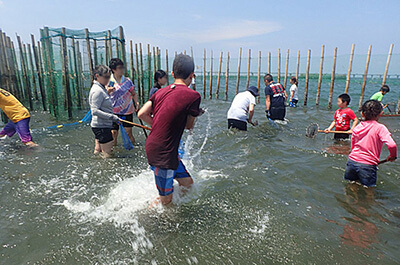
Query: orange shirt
14, 110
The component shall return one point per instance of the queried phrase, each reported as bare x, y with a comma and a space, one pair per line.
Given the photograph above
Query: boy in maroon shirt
342, 118
170, 111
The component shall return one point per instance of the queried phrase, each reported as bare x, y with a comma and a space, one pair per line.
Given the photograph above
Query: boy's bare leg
97, 148
129, 132
115, 136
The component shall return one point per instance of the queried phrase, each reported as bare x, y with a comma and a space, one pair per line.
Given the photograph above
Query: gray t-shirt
101, 107
240, 106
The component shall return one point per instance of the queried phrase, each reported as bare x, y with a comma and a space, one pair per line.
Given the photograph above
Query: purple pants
21, 127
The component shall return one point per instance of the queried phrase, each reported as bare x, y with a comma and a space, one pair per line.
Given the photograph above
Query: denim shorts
165, 178
363, 173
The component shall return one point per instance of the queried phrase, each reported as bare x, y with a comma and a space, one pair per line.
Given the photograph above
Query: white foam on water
262, 224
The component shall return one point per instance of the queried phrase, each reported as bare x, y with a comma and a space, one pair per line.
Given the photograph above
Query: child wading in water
294, 98
342, 118
379, 95
366, 146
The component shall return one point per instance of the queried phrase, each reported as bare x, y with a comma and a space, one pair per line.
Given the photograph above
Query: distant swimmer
275, 98
342, 118
242, 109
170, 111
294, 97
19, 118
366, 146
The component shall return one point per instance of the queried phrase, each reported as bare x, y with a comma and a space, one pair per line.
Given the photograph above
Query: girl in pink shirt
366, 146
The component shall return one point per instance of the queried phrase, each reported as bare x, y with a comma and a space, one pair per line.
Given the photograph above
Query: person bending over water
122, 92
242, 105
102, 111
169, 112
19, 118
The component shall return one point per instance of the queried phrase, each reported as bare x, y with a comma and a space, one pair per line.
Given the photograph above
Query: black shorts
103, 135
277, 113
240, 125
339, 136
128, 117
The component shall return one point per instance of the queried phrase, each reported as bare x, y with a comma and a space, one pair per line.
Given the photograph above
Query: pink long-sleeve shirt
367, 141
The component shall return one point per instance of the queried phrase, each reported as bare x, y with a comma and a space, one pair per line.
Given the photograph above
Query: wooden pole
269, 62
279, 65
132, 62
39, 68
204, 73
5, 67
139, 85
95, 60
346, 89
387, 64
365, 77
238, 73
66, 71
89, 52
110, 52
25, 74
332, 79
32, 72
298, 65
307, 77
167, 65
211, 75
320, 75
248, 70
10, 65
77, 74
17, 77
219, 76
286, 68
227, 76
259, 70
149, 79
122, 46
154, 61
106, 49
141, 71
80, 74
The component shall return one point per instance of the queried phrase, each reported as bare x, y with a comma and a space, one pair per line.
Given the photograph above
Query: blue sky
220, 25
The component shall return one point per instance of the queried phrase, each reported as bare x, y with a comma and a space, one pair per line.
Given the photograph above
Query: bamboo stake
387, 64
279, 65
248, 70
259, 70
269, 62
141, 71
10, 65
95, 60
298, 65
66, 72
139, 84
110, 52
365, 77
4, 68
346, 90
286, 68
106, 49
122, 45
32, 72
80, 74
25, 74
211, 75
238, 73
89, 52
17, 77
77, 77
332, 79
320, 75
132, 62
154, 61
149, 79
307, 77
219, 76
167, 66
227, 76
204, 73
39, 69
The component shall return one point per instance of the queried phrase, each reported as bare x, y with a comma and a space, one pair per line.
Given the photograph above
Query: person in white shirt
294, 98
242, 106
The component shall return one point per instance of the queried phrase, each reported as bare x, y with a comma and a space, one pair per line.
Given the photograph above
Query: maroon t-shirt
171, 106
